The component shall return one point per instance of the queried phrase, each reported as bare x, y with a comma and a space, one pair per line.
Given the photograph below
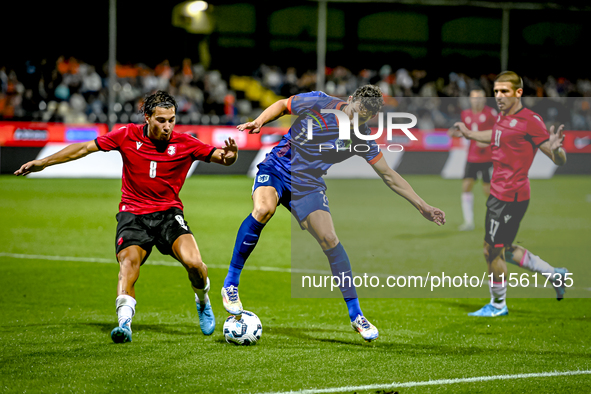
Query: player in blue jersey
291, 175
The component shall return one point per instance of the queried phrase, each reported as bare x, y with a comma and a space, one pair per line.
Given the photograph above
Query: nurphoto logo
345, 129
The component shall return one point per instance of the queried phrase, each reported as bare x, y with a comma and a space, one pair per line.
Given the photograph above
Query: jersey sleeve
201, 151
537, 130
112, 140
298, 104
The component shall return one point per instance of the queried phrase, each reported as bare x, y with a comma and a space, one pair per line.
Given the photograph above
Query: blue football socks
341, 268
246, 240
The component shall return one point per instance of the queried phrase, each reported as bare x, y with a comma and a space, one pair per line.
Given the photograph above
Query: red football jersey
515, 140
153, 174
479, 122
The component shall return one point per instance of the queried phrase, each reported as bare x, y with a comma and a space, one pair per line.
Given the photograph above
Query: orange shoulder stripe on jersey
289, 104
376, 159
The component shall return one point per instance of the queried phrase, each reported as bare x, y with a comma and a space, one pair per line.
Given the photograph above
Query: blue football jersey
304, 161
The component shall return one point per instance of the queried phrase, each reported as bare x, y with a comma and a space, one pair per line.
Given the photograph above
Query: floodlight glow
195, 7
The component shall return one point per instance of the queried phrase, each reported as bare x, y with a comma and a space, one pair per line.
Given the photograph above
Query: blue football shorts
301, 205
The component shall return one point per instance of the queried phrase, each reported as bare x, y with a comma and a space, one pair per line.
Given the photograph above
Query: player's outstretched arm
479, 136
553, 147
226, 155
274, 111
401, 187
69, 153
454, 131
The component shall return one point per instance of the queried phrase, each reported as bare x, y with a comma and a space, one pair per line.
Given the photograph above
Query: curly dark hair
158, 99
371, 98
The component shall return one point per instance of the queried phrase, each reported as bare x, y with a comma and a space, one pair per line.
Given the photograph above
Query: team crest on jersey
171, 150
263, 178
343, 144
513, 123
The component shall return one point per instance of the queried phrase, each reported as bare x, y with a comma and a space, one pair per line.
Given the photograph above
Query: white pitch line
167, 263
149, 262
435, 382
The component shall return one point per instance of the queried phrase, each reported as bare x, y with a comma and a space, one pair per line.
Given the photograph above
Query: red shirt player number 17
515, 139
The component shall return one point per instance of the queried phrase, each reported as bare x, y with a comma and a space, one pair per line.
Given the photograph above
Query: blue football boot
122, 334
206, 318
490, 311
560, 290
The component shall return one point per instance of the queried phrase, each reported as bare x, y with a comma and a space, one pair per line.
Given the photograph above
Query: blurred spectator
74, 91
3, 80
29, 106
91, 82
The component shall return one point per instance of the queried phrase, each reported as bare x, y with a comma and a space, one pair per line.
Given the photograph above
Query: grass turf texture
56, 316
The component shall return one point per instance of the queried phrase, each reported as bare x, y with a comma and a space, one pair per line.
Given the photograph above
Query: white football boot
231, 300
367, 330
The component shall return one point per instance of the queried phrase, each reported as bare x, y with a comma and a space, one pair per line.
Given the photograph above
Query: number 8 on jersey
153, 166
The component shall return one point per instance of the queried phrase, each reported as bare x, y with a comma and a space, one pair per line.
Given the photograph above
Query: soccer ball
244, 331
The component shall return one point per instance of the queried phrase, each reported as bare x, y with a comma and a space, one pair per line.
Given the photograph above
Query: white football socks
125, 309
468, 207
201, 294
498, 293
536, 264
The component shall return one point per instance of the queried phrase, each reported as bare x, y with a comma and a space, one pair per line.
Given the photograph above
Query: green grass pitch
57, 312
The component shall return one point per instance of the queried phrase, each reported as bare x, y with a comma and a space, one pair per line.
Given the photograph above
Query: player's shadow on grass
434, 234
171, 329
307, 334
418, 349
479, 303
464, 306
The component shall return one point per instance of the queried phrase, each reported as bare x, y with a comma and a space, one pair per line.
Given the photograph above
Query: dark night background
551, 41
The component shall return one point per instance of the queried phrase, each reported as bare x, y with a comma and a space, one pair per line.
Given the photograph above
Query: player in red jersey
155, 164
515, 139
478, 117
